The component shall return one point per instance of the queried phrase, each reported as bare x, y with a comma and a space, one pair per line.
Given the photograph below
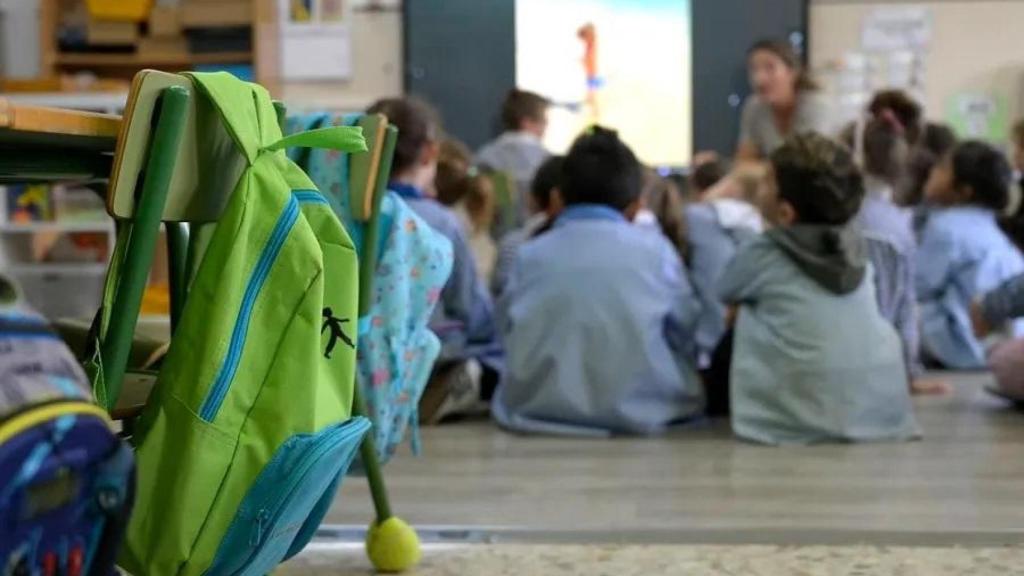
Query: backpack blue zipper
268, 513
215, 397
309, 197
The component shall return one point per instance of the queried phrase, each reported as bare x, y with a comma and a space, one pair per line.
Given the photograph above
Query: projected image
620, 63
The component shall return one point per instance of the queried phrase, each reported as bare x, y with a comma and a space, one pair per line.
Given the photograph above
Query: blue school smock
465, 319
714, 231
810, 365
598, 320
963, 254
891, 244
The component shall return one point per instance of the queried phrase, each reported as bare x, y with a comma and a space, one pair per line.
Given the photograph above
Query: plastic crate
130, 10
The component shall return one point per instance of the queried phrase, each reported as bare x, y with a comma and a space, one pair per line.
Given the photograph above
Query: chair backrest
379, 187
206, 169
506, 200
364, 173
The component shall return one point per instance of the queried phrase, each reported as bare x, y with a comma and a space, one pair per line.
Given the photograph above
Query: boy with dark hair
464, 320
524, 111
545, 204
519, 150
813, 358
963, 253
598, 316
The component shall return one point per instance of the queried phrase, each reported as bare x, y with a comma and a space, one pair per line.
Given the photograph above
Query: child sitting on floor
813, 358
598, 316
963, 253
884, 157
990, 314
471, 196
519, 151
715, 228
464, 321
663, 200
545, 204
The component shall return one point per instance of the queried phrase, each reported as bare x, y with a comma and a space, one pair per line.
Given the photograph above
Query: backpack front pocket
282, 508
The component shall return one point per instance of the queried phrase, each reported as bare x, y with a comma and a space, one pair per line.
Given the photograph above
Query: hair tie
890, 118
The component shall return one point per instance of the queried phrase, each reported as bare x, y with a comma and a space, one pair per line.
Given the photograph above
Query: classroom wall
19, 38
461, 58
377, 65
975, 46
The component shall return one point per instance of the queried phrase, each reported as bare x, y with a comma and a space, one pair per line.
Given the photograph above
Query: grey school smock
758, 126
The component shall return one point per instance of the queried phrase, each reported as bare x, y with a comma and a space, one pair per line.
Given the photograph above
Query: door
723, 30
460, 57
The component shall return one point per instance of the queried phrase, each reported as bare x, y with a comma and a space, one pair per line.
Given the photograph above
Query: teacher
785, 101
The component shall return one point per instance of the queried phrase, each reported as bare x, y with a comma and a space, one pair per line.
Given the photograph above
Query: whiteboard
974, 49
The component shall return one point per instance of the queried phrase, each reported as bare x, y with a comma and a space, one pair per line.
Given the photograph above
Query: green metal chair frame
184, 249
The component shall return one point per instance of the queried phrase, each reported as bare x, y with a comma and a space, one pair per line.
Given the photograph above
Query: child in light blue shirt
598, 315
464, 320
888, 228
963, 253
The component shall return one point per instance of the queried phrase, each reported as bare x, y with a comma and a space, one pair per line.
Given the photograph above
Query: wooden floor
963, 483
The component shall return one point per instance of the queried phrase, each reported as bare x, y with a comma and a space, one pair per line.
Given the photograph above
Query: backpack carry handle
342, 138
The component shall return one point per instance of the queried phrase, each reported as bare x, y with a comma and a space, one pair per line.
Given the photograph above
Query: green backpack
248, 432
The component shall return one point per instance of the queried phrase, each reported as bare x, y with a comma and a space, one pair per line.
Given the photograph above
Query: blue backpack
66, 479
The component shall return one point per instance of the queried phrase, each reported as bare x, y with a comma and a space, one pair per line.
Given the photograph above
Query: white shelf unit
65, 227
58, 289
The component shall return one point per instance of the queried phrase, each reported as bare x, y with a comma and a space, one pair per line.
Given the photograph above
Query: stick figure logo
334, 325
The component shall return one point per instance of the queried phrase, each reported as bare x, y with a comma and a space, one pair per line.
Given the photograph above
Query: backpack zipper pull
257, 536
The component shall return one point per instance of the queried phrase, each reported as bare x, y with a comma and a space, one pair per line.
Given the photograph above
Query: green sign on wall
979, 115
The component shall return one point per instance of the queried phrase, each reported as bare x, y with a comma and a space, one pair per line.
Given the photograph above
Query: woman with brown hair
785, 101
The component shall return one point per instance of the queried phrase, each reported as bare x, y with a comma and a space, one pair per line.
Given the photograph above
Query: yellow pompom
392, 546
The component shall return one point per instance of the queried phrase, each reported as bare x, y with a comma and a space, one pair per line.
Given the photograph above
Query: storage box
165, 21
119, 10
111, 32
164, 48
204, 14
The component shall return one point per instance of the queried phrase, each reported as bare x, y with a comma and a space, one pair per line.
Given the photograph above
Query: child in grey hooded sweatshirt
813, 358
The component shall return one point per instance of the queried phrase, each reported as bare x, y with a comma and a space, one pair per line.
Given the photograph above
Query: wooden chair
367, 183
506, 201
366, 201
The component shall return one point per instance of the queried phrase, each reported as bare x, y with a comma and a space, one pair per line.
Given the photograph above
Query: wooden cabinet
240, 35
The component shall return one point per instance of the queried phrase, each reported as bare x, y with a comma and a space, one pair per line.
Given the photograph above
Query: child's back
598, 314
519, 151
963, 253
810, 365
471, 198
888, 228
464, 319
813, 358
715, 230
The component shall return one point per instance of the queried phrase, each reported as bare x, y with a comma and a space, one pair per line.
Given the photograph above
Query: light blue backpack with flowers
396, 350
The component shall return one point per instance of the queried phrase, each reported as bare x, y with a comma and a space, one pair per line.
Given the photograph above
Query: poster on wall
897, 28
316, 39
619, 63
978, 116
893, 53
